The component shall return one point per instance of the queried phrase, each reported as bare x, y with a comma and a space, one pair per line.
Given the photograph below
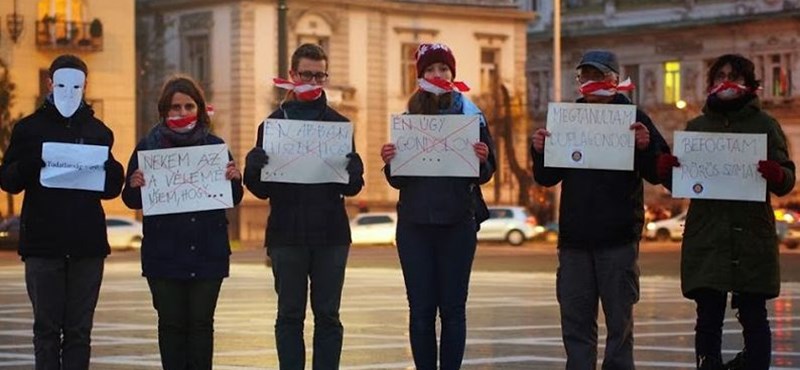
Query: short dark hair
740, 65
309, 51
68, 61
186, 85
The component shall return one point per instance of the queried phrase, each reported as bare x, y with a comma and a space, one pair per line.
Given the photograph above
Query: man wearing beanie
600, 224
63, 239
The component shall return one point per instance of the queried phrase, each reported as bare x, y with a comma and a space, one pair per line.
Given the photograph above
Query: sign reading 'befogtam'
306, 152
590, 136
719, 166
435, 145
179, 180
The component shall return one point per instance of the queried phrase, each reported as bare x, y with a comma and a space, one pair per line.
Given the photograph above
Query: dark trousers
436, 262
185, 321
64, 294
293, 267
584, 276
752, 315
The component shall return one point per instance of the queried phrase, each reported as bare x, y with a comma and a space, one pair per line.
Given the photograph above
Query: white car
374, 228
511, 224
668, 229
124, 232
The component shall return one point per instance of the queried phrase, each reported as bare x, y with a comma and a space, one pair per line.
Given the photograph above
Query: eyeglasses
590, 76
307, 76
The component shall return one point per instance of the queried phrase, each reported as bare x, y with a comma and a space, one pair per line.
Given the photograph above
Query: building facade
231, 47
666, 48
102, 34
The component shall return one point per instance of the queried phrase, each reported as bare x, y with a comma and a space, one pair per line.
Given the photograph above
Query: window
490, 70
115, 222
500, 213
672, 82
61, 10
776, 75
374, 220
197, 59
323, 41
408, 65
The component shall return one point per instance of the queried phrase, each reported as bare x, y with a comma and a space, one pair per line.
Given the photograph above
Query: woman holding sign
436, 225
731, 246
185, 255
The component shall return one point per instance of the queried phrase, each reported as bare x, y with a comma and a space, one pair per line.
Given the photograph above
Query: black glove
29, 168
355, 167
256, 159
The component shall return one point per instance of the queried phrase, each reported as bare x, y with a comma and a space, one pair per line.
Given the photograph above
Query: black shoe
737, 363
709, 363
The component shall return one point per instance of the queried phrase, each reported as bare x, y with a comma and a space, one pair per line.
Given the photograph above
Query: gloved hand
30, 168
355, 167
664, 164
256, 159
771, 171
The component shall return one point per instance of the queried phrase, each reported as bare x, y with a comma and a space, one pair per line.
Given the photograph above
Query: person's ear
50, 84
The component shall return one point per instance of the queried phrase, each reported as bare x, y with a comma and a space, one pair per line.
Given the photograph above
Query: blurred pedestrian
185, 255
600, 223
63, 239
732, 246
308, 233
436, 225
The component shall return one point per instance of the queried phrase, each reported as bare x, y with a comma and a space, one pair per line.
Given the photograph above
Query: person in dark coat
63, 239
731, 246
436, 226
308, 233
600, 223
185, 256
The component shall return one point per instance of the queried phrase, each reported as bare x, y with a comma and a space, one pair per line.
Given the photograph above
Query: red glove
664, 164
771, 171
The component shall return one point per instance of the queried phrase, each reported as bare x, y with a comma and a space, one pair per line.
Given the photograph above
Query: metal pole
556, 86
283, 52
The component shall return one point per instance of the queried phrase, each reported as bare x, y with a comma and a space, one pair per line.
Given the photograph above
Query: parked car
511, 224
374, 228
124, 232
663, 230
9, 233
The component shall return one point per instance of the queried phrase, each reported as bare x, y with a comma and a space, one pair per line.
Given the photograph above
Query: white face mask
68, 84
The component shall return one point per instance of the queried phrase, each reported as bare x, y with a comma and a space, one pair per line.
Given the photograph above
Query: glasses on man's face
584, 77
307, 76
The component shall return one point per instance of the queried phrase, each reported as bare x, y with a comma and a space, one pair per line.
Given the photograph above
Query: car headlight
651, 226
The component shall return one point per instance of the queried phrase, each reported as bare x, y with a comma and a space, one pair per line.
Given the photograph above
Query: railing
68, 35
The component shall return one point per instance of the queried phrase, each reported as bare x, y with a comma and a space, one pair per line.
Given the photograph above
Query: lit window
408, 65
672, 82
775, 74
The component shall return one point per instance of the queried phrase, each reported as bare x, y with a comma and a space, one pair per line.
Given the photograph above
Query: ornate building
666, 47
101, 33
231, 47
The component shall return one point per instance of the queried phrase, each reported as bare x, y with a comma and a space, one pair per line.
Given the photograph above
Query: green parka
731, 246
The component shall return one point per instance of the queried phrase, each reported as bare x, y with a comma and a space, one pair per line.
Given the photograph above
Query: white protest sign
719, 166
590, 136
187, 179
73, 166
307, 152
435, 145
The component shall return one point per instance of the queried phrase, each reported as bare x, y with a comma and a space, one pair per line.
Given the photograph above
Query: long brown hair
423, 102
185, 85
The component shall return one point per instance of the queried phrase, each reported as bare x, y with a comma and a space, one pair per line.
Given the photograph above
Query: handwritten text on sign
307, 152
719, 166
591, 136
188, 179
435, 145
74, 166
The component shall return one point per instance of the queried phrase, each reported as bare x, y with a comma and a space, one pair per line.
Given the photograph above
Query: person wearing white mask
600, 223
185, 256
63, 239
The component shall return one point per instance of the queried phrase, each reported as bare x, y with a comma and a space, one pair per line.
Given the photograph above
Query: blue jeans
185, 321
292, 267
437, 262
63, 292
610, 275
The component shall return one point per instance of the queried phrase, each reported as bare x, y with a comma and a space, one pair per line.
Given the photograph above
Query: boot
737, 363
709, 363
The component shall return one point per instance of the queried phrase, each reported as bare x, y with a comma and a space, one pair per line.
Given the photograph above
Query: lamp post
556, 87
283, 52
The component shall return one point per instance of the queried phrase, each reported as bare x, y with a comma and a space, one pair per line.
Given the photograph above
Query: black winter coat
59, 222
192, 245
304, 214
602, 208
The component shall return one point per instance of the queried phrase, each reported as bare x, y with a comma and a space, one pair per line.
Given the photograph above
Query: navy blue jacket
59, 222
192, 245
442, 200
304, 214
602, 208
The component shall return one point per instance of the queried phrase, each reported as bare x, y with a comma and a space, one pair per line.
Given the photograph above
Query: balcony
69, 36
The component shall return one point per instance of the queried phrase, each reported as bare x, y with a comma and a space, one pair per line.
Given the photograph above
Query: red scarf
605, 88
181, 124
728, 89
303, 91
439, 86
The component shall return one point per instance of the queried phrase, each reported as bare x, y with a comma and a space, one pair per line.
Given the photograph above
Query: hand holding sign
641, 135
434, 145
